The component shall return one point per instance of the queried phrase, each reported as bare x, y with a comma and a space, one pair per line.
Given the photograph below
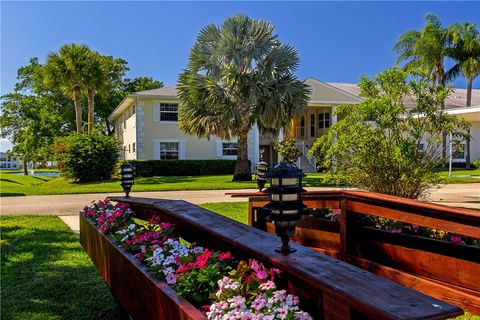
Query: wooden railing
441, 269
328, 288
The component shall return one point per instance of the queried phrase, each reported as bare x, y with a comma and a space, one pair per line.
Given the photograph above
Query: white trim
472, 109
156, 111
330, 102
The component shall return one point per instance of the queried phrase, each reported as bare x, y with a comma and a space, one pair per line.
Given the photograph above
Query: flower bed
222, 287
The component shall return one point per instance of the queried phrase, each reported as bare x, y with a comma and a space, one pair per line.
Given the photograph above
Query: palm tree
239, 74
466, 52
65, 71
423, 52
93, 80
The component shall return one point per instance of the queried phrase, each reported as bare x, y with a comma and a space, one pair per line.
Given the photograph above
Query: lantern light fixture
127, 173
286, 205
261, 170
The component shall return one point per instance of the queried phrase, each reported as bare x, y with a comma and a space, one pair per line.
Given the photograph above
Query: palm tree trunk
469, 91
242, 169
78, 109
91, 109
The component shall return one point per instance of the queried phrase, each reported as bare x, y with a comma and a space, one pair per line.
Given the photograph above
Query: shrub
87, 157
476, 163
288, 150
150, 168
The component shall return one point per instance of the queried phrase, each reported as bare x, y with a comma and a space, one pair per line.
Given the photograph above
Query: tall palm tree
65, 71
94, 78
466, 52
239, 74
423, 52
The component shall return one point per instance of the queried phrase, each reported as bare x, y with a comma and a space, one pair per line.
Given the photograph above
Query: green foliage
476, 163
31, 125
239, 74
150, 168
87, 157
375, 145
288, 150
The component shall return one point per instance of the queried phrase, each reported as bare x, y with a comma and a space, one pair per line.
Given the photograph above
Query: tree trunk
78, 109
91, 109
109, 128
25, 166
242, 169
468, 164
469, 91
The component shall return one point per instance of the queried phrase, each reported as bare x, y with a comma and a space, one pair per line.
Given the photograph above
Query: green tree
103, 75
466, 53
239, 74
466, 40
423, 52
108, 100
65, 71
382, 144
30, 124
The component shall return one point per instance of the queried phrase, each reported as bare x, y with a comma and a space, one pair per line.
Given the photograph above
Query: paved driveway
462, 195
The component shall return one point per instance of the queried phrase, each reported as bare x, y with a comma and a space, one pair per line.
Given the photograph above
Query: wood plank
466, 299
347, 284
472, 229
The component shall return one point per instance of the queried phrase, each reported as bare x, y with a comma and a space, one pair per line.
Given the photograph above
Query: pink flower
269, 285
259, 270
274, 271
202, 260
171, 279
397, 230
143, 249
259, 303
457, 240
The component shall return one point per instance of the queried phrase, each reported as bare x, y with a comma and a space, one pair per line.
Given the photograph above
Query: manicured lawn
45, 273
460, 176
15, 185
233, 210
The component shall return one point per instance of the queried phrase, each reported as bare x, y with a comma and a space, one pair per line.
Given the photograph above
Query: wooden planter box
141, 294
438, 268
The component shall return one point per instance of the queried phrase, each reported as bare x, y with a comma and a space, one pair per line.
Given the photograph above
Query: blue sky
337, 41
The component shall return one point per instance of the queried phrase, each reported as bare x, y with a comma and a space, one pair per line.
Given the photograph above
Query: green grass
18, 185
234, 210
45, 273
460, 176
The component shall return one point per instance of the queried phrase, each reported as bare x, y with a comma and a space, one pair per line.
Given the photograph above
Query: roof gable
323, 92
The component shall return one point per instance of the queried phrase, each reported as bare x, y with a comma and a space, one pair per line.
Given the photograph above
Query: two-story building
146, 126
9, 162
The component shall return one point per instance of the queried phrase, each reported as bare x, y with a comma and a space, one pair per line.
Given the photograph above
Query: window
169, 150
133, 147
133, 110
458, 151
229, 148
324, 120
168, 112
312, 125
302, 126
128, 148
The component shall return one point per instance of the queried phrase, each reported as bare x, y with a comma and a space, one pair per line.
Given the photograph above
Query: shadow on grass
164, 179
11, 194
46, 275
8, 180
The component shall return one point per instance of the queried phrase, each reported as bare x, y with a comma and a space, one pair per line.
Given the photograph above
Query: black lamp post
286, 205
262, 169
126, 169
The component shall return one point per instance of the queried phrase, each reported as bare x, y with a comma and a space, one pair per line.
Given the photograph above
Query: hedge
150, 168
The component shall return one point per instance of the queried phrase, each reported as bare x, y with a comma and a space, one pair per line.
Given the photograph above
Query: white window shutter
219, 148
156, 111
156, 150
181, 150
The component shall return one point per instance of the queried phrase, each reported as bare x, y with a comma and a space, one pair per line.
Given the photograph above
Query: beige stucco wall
126, 135
195, 148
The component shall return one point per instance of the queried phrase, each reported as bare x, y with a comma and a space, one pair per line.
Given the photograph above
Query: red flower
202, 260
224, 256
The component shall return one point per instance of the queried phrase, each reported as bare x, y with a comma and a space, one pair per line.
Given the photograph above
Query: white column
254, 146
280, 138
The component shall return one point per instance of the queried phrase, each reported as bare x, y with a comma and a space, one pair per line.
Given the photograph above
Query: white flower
269, 285
197, 250
171, 279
